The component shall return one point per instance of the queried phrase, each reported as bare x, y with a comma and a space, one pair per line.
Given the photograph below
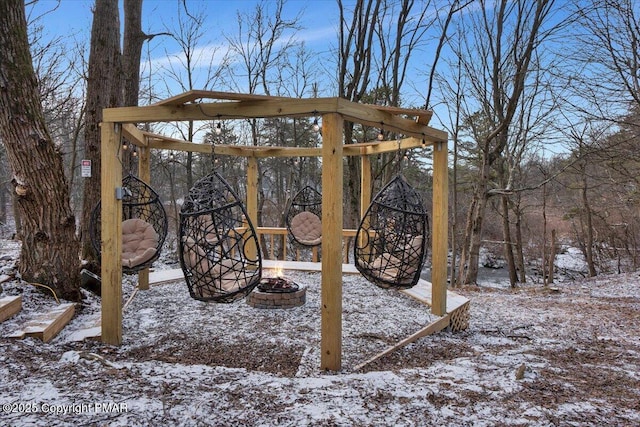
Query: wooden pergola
119, 122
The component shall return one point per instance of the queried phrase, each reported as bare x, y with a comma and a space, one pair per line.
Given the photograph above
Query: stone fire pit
277, 292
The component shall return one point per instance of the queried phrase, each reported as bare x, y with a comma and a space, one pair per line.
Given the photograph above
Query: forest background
540, 98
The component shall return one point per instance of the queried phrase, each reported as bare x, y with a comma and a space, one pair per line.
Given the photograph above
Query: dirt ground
568, 355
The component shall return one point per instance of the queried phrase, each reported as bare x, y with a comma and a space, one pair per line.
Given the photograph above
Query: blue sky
72, 18
319, 18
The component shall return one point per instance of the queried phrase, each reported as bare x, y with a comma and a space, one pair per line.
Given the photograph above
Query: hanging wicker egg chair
144, 225
303, 217
218, 245
391, 242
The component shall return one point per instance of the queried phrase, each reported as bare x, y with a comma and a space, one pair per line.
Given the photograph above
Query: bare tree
104, 89
49, 253
192, 67
377, 41
610, 55
355, 57
451, 84
60, 69
606, 93
499, 45
263, 44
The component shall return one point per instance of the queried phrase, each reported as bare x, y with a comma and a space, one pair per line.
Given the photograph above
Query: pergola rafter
235, 106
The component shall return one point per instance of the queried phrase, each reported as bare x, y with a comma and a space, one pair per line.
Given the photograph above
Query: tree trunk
454, 212
189, 162
544, 235
520, 244
552, 256
508, 244
470, 254
134, 38
352, 201
3, 205
464, 250
475, 241
49, 253
74, 157
104, 89
506, 226
589, 228
17, 216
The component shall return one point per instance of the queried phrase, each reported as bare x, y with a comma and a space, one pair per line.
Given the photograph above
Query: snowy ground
531, 356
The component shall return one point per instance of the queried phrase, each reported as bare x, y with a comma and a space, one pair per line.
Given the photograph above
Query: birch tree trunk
49, 253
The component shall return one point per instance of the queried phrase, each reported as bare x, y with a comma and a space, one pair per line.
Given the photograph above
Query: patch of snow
489, 260
570, 258
529, 357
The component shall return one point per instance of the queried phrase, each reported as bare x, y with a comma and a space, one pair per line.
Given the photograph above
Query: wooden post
331, 294
144, 173
365, 183
111, 232
365, 190
440, 228
252, 200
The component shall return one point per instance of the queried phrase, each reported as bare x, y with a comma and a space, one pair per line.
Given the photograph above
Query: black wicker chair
303, 217
215, 237
391, 242
144, 226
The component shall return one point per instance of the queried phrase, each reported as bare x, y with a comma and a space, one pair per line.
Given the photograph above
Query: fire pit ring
277, 292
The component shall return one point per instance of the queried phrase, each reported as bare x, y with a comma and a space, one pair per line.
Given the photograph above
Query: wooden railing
277, 245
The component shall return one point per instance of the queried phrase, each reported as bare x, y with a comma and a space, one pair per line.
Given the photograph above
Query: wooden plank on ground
10, 306
92, 331
47, 325
431, 328
19, 334
176, 274
165, 276
422, 293
304, 266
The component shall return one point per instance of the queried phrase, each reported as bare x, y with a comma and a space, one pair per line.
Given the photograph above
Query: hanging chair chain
399, 155
213, 154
